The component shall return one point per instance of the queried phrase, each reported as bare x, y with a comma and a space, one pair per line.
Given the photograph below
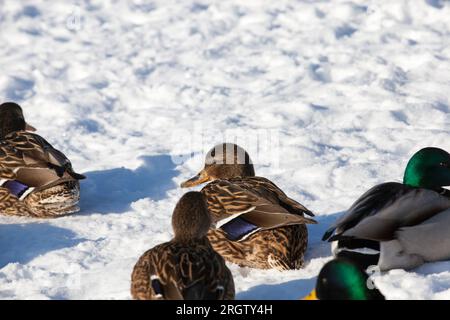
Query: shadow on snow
113, 191
21, 243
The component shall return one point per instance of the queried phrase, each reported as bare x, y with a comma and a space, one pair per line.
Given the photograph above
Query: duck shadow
297, 289
316, 247
21, 243
291, 290
438, 4
113, 191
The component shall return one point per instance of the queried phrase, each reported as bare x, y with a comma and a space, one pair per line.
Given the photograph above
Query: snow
339, 94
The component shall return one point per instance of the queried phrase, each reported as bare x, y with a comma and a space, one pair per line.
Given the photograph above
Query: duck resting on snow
36, 180
186, 268
400, 225
255, 223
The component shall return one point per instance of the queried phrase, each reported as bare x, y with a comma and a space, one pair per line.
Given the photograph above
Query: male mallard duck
256, 224
397, 225
36, 180
187, 267
341, 279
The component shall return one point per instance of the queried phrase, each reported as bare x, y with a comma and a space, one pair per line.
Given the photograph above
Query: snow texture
135, 92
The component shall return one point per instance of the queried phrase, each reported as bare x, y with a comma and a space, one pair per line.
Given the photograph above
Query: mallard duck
36, 180
341, 279
186, 268
255, 223
400, 225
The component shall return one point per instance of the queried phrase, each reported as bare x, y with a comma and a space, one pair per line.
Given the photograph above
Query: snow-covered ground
340, 93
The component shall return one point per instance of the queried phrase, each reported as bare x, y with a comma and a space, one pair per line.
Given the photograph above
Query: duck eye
444, 164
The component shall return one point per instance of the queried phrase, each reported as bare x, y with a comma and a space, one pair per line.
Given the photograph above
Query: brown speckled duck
256, 224
36, 180
186, 268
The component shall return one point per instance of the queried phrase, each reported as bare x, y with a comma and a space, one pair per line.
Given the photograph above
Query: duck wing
174, 272
269, 190
257, 203
382, 210
204, 275
24, 152
429, 240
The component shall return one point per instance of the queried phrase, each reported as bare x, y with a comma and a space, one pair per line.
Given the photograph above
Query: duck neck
181, 239
248, 171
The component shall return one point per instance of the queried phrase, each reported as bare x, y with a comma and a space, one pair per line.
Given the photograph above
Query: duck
187, 267
36, 180
255, 224
342, 279
399, 225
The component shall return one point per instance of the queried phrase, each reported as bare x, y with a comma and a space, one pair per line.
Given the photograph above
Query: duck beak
202, 177
311, 296
29, 127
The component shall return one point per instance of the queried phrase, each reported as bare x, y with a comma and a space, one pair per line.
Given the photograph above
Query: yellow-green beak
202, 177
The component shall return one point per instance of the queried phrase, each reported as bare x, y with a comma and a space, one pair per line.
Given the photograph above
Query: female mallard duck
256, 224
341, 279
36, 180
187, 267
397, 225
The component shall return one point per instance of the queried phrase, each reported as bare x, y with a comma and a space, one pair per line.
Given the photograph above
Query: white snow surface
130, 89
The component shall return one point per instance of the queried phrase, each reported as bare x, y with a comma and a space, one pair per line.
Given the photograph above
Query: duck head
428, 168
191, 219
341, 279
224, 161
12, 119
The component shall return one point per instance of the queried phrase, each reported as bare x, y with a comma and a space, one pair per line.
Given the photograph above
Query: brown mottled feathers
282, 239
11, 205
28, 150
39, 204
246, 194
191, 271
281, 248
30, 159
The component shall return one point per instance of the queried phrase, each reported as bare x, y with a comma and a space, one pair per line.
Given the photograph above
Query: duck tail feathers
328, 234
